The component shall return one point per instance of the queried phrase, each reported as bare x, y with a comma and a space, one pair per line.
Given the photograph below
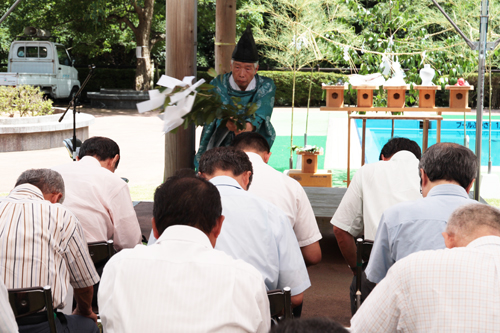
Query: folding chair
280, 303
363, 250
101, 252
27, 301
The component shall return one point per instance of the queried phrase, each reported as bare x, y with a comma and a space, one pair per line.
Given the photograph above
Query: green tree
96, 25
292, 31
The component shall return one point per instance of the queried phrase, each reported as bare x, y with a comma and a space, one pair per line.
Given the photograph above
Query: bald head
470, 222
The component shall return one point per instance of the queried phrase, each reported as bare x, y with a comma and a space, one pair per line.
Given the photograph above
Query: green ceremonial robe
214, 135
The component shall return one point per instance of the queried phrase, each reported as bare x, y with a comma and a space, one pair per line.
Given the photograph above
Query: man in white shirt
99, 198
181, 284
284, 192
374, 188
255, 230
453, 290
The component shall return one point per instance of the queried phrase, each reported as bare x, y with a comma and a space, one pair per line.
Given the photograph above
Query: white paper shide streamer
180, 103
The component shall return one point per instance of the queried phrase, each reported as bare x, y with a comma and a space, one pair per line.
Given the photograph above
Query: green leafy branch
208, 106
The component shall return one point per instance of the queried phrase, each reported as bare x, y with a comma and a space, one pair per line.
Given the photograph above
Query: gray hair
464, 220
449, 161
47, 180
255, 64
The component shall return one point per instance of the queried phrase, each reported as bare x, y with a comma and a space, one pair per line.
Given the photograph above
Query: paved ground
141, 148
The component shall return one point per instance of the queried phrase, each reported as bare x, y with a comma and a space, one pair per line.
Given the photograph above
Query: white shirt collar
485, 240
225, 180
254, 157
251, 85
91, 160
184, 233
403, 155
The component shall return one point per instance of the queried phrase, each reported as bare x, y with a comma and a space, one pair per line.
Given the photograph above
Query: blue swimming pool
378, 132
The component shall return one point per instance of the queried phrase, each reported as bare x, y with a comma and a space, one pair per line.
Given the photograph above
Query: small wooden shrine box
309, 161
427, 96
396, 96
334, 96
459, 96
365, 96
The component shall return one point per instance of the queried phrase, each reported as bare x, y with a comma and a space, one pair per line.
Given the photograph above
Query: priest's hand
232, 127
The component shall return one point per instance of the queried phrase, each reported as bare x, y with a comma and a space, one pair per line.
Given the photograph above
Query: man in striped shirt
42, 243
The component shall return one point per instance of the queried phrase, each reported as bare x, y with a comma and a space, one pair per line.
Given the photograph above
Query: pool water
378, 132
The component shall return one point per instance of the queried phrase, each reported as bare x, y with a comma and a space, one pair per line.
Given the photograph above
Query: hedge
124, 79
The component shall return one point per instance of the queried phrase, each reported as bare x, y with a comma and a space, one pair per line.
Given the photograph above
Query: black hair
251, 140
225, 159
449, 161
309, 325
396, 144
100, 147
185, 199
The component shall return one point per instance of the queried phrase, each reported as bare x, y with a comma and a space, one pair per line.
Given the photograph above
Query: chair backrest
26, 301
363, 251
280, 303
101, 252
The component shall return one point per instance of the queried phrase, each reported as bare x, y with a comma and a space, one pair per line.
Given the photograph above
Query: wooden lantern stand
459, 98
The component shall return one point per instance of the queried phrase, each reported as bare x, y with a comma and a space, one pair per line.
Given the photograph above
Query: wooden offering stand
309, 175
459, 98
365, 95
427, 96
396, 96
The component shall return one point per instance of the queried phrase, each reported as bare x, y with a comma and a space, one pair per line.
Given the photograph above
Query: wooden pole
225, 34
425, 139
363, 141
180, 61
348, 148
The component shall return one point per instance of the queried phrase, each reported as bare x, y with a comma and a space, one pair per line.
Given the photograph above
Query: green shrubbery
23, 101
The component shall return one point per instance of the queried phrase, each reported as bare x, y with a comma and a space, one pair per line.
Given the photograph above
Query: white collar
255, 158
91, 160
225, 180
185, 233
251, 85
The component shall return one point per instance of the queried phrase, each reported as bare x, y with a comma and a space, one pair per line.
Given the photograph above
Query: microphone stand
73, 103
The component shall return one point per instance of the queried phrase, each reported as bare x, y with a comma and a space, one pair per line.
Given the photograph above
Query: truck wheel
72, 94
47, 97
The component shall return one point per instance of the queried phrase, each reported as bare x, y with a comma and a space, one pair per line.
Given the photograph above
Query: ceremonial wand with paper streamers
186, 103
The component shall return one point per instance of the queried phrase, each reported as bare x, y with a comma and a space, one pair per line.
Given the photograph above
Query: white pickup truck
43, 64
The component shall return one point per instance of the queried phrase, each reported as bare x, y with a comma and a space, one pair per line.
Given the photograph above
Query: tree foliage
95, 27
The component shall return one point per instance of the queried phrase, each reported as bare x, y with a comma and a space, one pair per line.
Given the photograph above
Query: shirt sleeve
292, 268
81, 268
263, 304
107, 308
383, 309
127, 232
349, 214
305, 227
7, 320
381, 256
